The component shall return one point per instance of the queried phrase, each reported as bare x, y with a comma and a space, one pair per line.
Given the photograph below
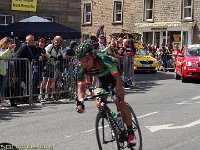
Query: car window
141, 52
193, 51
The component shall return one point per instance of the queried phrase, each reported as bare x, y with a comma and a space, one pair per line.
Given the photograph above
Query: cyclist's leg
100, 87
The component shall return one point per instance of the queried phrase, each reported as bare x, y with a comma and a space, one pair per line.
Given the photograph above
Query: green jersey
103, 66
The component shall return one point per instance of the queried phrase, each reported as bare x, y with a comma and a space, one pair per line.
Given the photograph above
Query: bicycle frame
105, 110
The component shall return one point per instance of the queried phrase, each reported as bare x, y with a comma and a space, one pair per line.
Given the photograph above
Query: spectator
168, 57
6, 50
29, 51
112, 51
101, 41
70, 50
153, 50
120, 43
42, 63
100, 31
127, 47
176, 50
55, 55
93, 39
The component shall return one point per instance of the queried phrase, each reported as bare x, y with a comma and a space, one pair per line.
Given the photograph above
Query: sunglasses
84, 59
101, 37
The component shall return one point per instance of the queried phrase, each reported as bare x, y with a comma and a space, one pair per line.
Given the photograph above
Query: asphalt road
168, 112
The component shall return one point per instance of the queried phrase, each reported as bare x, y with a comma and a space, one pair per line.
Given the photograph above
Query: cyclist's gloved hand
80, 106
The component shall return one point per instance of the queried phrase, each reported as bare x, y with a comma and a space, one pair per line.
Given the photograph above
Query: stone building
159, 21
66, 12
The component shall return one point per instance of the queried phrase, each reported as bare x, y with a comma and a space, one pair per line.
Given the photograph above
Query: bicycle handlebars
94, 96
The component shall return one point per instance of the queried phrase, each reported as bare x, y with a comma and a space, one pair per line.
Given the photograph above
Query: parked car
145, 62
188, 63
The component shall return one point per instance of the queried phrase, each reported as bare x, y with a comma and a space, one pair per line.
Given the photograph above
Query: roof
39, 29
34, 19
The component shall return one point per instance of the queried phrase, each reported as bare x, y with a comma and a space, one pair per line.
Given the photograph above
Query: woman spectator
6, 49
112, 51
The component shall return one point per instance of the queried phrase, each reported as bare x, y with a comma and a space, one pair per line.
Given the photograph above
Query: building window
6, 20
87, 14
117, 11
187, 9
148, 10
49, 18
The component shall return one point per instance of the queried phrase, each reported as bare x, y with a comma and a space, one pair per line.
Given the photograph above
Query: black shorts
105, 82
48, 74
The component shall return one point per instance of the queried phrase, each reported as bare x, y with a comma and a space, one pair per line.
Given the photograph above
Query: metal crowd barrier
16, 81
126, 67
166, 62
62, 74
23, 78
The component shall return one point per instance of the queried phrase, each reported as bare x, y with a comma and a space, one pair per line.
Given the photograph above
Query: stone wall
66, 12
164, 11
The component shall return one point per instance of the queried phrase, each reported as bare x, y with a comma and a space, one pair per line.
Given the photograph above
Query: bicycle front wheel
107, 138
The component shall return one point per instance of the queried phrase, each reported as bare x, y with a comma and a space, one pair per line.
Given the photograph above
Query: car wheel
177, 77
184, 79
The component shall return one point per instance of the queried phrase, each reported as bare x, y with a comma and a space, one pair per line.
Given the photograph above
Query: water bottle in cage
114, 115
120, 121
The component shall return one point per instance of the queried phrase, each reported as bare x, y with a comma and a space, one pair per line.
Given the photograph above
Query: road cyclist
104, 69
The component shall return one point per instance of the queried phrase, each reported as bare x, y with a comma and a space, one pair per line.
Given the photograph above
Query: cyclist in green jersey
104, 69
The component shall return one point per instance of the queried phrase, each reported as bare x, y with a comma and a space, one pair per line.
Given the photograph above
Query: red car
188, 63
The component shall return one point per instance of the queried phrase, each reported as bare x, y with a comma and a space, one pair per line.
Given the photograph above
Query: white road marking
195, 98
87, 131
169, 126
147, 115
187, 102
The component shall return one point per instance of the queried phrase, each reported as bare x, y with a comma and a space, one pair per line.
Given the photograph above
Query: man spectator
70, 50
55, 54
42, 62
29, 51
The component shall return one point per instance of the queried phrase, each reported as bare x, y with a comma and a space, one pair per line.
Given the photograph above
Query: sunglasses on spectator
84, 59
101, 37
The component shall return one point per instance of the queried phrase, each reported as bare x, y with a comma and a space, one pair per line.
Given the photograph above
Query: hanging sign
24, 5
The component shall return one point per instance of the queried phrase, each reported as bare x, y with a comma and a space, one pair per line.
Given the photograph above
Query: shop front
166, 32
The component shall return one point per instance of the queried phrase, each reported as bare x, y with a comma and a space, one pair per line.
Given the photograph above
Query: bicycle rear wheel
105, 132
137, 131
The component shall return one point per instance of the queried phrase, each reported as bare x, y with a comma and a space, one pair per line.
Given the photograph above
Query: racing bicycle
109, 133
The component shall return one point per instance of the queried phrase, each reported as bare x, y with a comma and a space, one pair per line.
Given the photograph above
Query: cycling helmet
84, 49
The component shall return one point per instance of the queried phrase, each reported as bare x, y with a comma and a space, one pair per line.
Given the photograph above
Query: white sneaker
4, 103
40, 97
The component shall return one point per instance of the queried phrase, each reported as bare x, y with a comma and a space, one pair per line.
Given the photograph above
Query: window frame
5, 23
145, 11
85, 14
183, 11
115, 13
